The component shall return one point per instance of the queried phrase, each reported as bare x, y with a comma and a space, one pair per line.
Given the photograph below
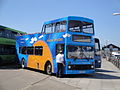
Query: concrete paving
105, 78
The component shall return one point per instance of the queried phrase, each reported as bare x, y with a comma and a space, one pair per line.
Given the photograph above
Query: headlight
69, 67
99, 61
92, 66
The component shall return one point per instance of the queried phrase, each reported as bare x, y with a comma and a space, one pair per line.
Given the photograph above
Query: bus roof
6, 28
70, 18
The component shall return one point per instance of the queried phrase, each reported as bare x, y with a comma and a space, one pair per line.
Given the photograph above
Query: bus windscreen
80, 52
79, 26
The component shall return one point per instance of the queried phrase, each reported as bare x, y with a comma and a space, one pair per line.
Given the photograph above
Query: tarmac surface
14, 78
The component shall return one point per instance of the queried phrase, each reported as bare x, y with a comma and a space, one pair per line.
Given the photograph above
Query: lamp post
118, 60
116, 14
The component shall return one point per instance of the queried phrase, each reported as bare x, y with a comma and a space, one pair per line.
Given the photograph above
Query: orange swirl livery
40, 60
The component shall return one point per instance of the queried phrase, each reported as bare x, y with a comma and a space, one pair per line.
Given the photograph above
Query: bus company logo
33, 39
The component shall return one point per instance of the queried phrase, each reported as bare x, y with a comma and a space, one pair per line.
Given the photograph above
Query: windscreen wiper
84, 55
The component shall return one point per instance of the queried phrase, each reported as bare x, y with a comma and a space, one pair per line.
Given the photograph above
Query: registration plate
82, 71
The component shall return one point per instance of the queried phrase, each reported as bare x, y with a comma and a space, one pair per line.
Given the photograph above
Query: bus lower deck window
38, 50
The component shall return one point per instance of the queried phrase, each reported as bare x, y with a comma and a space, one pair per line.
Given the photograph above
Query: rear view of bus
73, 35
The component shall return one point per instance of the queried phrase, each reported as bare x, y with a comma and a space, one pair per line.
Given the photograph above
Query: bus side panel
21, 56
48, 41
39, 62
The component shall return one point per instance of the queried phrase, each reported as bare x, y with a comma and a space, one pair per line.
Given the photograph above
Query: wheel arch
22, 60
48, 61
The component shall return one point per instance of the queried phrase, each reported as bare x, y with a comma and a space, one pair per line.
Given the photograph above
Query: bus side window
1, 32
30, 50
62, 26
1, 49
39, 50
48, 28
53, 27
57, 27
11, 49
24, 50
43, 29
20, 49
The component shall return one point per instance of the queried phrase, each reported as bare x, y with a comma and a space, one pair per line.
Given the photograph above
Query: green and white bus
7, 44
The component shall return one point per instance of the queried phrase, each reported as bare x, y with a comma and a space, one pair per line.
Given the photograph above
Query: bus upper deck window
80, 26
48, 28
57, 27
60, 26
63, 26
75, 26
88, 28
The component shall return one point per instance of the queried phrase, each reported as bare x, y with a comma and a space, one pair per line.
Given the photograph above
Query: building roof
113, 46
6, 28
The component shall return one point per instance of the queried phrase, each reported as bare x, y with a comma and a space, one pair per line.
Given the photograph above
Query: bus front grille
80, 67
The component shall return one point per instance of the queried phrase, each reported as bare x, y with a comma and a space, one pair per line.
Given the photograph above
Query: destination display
81, 38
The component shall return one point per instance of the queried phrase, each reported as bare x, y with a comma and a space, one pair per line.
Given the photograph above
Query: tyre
48, 69
23, 63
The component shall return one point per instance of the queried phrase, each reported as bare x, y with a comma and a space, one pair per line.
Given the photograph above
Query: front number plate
82, 71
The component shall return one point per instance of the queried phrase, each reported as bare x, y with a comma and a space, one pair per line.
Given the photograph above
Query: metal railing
115, 60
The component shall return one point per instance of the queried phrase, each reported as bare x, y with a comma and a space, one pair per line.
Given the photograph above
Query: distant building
9, 33
111, 47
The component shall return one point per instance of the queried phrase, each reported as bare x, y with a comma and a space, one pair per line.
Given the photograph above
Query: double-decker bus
97, 54
7, 44
73, 35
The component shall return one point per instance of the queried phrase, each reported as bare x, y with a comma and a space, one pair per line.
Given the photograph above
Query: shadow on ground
93, 76
102, 70
104, 76
99, 74
10, 66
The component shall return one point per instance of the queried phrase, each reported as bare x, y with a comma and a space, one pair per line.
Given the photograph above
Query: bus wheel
23, 63
48, 68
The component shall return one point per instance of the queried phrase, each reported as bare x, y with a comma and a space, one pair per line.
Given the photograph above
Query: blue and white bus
73, 35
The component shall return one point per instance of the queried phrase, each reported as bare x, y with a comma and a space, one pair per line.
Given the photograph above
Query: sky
29, 15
